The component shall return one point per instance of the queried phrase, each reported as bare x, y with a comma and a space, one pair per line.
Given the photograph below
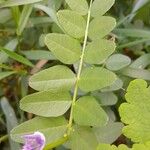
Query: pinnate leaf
47, 103
98, 51
94, 78
136, 112
100, 7
101, 26
65, 48
52, 128
88, 112
80, 6
72, 23
57, 77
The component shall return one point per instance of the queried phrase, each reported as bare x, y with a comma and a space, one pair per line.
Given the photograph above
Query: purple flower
34, 141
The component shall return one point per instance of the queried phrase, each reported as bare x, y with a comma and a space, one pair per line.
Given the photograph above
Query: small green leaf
109, 133
118, 84
47, 103
11, 120
94, 78
100, 7
16, 57
105, 98
52, 128
82, 138
65, 48
101, 26
98, 51
26, 12
6, 74
138, 102
73, 23
80, 6
11, 3
38, 54
57, 77
117, 62
88, 112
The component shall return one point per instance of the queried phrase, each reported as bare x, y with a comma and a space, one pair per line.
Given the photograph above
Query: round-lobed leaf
94, 78
98, 51
65, 48
101, 26
135, 113
88, 112
72, 23
100, 7
80, 6
117, 62
52, 128
57, 77
47, 103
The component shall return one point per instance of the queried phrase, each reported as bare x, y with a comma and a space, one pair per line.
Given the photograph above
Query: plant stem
75, 93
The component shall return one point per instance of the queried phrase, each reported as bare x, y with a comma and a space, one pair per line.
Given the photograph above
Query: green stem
79, 71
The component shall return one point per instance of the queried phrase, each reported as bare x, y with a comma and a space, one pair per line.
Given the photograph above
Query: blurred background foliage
23, 26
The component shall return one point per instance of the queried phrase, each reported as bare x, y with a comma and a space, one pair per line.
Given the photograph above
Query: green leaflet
6, 74
16, 57
82, 138
52, 128
26, 12
100, 7
117, 62
138, 102
65, 48
105, 98
109, 133
88, 112
80, 6
101, 26
94, 78
47, 103
98, 51
11, 3
57, 77
72, 23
